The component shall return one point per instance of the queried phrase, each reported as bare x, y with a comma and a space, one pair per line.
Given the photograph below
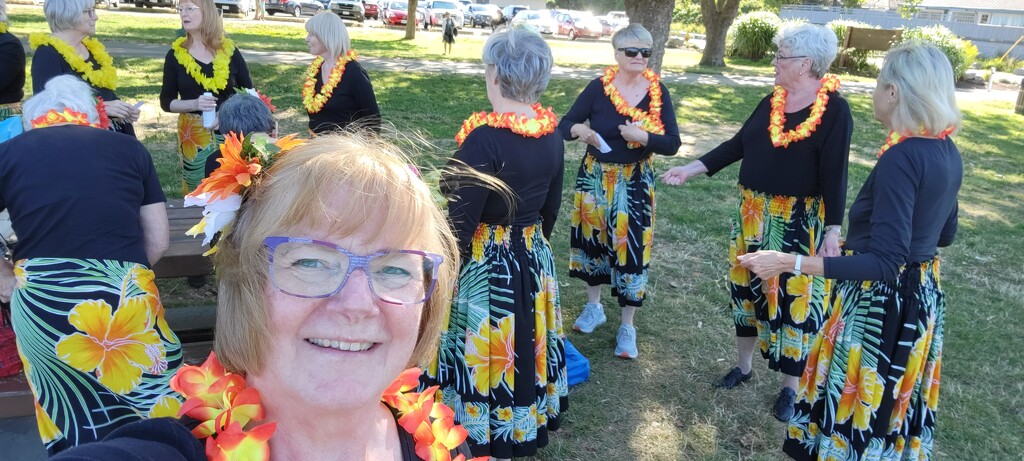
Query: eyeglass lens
90, 12
313, 270
187, 9
631, 52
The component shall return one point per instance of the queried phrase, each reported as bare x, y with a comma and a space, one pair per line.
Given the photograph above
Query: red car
396, 12
579, 24
370, 9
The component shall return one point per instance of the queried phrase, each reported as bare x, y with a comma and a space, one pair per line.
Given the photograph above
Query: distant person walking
448, 36
261, 10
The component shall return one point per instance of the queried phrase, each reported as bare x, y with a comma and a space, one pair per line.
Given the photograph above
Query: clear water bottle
209, 116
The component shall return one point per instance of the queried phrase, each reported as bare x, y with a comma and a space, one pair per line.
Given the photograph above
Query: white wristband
796, 267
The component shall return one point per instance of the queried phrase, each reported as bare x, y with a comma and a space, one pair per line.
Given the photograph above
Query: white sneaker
591, 317
625, 342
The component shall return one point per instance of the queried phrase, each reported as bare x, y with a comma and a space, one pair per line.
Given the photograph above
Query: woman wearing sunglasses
794, 150
335, 277
630, 117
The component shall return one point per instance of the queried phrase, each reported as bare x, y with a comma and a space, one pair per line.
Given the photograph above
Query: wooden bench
867, 39
184, 258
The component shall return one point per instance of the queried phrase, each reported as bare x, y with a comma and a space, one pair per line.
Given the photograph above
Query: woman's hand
205, 103
634, 133
677, 176
830, 245
585, 134
767, 264
121, 110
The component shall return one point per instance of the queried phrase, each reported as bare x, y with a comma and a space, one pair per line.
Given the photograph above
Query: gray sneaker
591, 317
625, 342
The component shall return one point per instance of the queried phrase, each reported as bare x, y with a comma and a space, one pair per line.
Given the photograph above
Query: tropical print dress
96, 349
195, 145
785, 311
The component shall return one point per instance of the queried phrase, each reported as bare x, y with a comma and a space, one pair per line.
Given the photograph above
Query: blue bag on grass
577, 366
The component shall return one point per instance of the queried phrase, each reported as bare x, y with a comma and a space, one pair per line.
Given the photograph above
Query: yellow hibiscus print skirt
871, 387
195, 145
97, 351
501, 362
783, 312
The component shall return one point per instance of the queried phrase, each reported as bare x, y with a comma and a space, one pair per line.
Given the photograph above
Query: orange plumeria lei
230, 414
650, 120
829, 84
544, 123
52, 117
895, 138
315, 102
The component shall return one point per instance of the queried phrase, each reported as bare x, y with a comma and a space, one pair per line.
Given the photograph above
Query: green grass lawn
661, 406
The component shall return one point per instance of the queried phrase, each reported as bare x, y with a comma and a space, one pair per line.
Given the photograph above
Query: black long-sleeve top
12, 60
906, 209
352, 101
814, 166
592, 104
531, 167
48, 63
178, 84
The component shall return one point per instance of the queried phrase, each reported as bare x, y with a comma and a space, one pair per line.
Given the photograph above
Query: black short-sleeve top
352, 101
178, 84
12, 61
76, 192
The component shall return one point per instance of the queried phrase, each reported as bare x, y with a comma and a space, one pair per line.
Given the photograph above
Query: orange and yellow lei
650, 120
53, 117
313, 101
103, 77
221, 65
230, 414
3, 28
829, 84
895, 138
544, 123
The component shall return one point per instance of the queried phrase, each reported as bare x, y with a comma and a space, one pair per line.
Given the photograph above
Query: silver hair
522, 62
632, 33
244, 114
331, 31
59, 93
816, 42
64, 15
925, 96
3, 11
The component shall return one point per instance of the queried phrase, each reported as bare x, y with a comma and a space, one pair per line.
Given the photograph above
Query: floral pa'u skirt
871, 387
501, 362
195, 145
97, 351
613, 227
783, 312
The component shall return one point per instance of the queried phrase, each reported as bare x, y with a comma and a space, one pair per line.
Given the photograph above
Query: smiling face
340, 352
191, 16
634, 64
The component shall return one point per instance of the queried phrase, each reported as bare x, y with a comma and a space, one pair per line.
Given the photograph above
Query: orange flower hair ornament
829, 84
544, 123
650, 120
242, 160
895, 138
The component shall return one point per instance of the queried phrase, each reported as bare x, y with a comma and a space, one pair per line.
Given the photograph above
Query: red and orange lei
895, 138
544, 123
53, 117
650, 120
829, 84
230, 414
315, 102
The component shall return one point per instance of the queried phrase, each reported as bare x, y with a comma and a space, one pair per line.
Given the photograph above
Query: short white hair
926, 96
632, 32
64, 15
59, 93
331, 31
3, 11
816, 42
522, 62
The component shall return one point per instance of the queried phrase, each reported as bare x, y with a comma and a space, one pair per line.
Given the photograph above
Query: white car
437, 8
542, 21
236, 6
349, 9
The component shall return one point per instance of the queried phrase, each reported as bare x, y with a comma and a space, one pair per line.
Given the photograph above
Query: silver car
236, 6
349, 9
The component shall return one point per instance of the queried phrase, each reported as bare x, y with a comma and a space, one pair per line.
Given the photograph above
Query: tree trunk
656, 17
410, 20
717, 16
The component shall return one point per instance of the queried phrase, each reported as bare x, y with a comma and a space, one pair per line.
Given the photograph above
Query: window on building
968, 17
985, 18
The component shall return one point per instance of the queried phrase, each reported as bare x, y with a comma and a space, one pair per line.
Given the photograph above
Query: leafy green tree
717, 16
656, 17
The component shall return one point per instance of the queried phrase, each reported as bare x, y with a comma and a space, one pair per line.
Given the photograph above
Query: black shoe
733, 379
783, 409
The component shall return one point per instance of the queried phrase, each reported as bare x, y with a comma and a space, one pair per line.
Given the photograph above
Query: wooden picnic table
184, 256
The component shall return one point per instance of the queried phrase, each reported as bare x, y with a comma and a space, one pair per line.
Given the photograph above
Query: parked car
294, 7
152, 3
396, 12
243, 7
509, 12
464, 7
110, 3
371, 9
579, 24
437, 8
349, 9
484, 15
540, 20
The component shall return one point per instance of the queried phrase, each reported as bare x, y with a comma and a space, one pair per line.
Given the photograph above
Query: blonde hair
331, 31
386, 194
211, 29
926, 96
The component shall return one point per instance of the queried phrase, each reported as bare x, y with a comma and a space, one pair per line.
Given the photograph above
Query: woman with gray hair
631, 117
89, 213
337, 91
12, 59
794, 150
501, 362
69, 50
871, 386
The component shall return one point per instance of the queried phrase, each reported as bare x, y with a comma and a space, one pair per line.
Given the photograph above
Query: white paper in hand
602, 146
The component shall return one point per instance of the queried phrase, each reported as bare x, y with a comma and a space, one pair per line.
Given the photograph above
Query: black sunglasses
631, 52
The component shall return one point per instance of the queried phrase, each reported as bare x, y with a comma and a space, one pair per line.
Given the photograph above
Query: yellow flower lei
895, 138
829, 84
221, 59
544, 123
104, 77
310, 99
650, 120
3, 28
